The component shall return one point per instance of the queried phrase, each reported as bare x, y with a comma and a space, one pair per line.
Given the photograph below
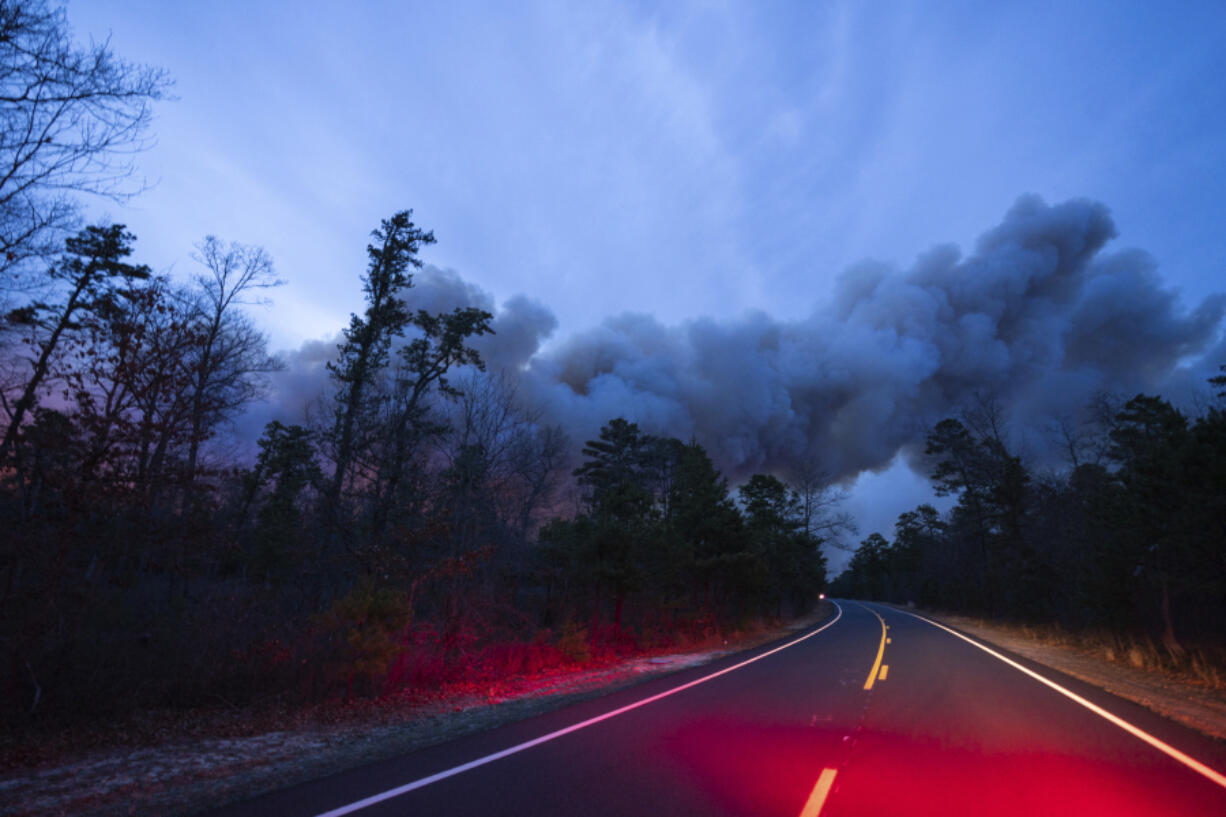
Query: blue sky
682, 160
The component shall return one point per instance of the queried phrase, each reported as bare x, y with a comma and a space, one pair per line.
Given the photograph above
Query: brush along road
874, 712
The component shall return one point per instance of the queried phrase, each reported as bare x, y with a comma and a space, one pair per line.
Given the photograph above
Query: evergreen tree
439, 348
364, 354
89, 274
285, 469
1149, 443
792, 568
706, 545
621, 509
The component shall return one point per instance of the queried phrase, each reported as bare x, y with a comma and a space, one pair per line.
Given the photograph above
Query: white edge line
1191, 762
481, 761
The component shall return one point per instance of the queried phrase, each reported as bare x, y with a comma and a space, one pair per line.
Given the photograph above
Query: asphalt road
876, 712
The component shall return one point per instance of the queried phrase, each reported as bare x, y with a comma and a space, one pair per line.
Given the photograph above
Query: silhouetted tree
88, 275
869, 567
707, 545
423, 368
285, 469
1220, 381
620, 506
917, 563
1148, 443
71, 121
792, 567
993, 490
364, 354
822, 517
229, 355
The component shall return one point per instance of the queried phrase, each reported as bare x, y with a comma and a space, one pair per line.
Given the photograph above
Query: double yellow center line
879, 670
817, 798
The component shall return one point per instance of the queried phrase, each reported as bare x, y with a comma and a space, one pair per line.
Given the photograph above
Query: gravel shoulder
1193, 704
176, 775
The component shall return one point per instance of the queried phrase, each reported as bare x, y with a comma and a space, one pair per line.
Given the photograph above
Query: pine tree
365, 351
89, 273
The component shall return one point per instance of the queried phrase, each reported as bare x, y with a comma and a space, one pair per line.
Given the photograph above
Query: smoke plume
1039, 315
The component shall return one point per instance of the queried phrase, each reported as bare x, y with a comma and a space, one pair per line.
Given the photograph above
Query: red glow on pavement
751, 768
821, 790
405, 788
891, 775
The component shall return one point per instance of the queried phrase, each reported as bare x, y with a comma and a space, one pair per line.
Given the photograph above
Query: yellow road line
817, 798
872, 675
884, 669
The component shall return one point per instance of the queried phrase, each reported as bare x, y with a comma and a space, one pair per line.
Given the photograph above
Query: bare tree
230, 355
159, 382
508, 460
821, 501
71, 121
1085, 436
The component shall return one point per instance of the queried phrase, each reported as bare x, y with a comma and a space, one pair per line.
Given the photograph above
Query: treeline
659, 527
388, 539
1129, 537
391, 540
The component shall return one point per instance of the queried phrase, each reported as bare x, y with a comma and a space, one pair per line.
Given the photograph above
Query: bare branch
72, 119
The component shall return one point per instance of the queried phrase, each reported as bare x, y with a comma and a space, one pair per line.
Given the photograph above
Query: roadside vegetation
426, 526
1120, 552
1203, 666
408, 538
423, 528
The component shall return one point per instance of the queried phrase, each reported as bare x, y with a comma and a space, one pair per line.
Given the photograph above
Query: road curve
875, 712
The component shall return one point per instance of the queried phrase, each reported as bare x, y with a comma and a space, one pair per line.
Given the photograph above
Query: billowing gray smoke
1039, 316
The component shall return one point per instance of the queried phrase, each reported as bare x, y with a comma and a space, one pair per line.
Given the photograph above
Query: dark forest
428, 521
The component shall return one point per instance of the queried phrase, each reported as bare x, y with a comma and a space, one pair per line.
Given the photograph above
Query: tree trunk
1168, 624
41, 366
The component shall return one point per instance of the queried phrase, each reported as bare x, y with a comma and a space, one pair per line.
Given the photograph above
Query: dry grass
1200, 665
1187, 686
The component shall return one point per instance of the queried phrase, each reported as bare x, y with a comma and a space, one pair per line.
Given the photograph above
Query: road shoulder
184, 777
1195, 705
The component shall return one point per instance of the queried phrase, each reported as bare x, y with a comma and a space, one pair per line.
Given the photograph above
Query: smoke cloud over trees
445, 491
1042, 315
